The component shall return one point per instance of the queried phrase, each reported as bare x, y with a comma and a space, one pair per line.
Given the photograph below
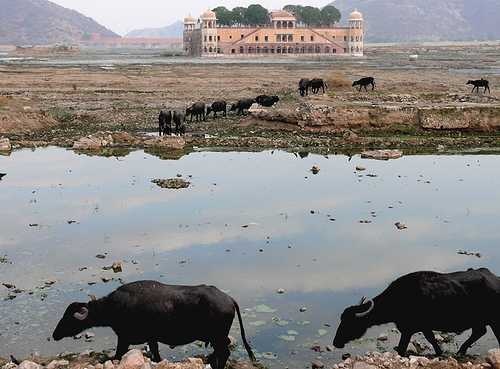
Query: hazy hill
42, 22
427, 20
173, 30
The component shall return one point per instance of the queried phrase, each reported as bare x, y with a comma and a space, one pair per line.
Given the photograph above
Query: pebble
316, 364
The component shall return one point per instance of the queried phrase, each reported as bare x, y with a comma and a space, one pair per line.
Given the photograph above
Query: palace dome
189, 19
355, 15
209, 15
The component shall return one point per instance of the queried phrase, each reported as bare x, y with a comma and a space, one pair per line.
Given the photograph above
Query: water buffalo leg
121, 348
403, 343
477, 333
429, 336
496, 331
222, 352
153, 346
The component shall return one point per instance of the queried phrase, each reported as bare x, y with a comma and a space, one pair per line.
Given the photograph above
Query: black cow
365, 82
217, 106
426, 302
480, 83
198, 110
304, 87
179, 119
316, 84
242, 105
152, 312
165, 123
266, 100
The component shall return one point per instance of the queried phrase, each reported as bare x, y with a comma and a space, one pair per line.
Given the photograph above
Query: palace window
302, 38
266, 38
233, 51
345, 38
210, 38
290, 38
242, 37
205, 38
334, 51
312, 38
278, 38
218, 38
230, 37
242, 50
257, 38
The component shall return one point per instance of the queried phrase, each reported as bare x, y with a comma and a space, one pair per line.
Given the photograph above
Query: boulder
109, 365
103, 140
26, 364
166, 143
382, 154
493, 358
54, 364
133, 360
5, 145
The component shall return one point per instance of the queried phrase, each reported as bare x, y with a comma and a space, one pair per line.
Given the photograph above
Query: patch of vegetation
61, 115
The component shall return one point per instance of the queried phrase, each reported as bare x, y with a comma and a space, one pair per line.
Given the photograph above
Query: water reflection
326, 239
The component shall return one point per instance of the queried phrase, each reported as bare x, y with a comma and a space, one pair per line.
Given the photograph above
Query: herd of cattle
173, 121
151, 312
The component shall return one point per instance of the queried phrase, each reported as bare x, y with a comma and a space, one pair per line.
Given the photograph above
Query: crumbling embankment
328, 118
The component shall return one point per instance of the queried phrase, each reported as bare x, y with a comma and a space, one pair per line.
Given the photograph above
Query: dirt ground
56, 104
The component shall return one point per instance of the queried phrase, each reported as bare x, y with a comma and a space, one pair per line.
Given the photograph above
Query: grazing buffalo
216, 107
426, 302
304, 87
316, 84
198, 110
365, 82
179, 119
151, 312
267, 101
242, 105
165, 123
480, 83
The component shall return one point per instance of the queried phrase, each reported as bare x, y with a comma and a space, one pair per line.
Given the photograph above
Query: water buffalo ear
82, 314
362, 301
93, 298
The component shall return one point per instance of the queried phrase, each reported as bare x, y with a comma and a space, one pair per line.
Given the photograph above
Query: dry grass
338, 80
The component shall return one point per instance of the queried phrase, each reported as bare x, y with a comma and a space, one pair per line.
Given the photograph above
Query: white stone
26, 364
132, 360
5, 145
493, 358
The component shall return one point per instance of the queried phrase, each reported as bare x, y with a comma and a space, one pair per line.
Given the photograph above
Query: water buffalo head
354, 323
75, 320
355, 83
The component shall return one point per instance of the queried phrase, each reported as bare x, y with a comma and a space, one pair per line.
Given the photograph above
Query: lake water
304, 236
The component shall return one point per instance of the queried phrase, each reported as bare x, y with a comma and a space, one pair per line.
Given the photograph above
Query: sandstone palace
283, 35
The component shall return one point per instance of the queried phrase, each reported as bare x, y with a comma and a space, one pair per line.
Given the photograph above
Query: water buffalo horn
372, 305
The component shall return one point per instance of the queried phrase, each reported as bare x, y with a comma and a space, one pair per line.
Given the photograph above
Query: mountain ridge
41, 22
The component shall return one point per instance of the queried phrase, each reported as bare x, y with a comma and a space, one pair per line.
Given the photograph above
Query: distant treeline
258, 15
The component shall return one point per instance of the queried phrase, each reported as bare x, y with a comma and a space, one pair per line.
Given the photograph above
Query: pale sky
122, 16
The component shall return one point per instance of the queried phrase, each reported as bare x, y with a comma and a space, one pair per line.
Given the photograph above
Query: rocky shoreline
136, 359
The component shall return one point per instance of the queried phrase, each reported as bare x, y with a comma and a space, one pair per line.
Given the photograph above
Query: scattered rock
172, 183
166, 143
493, 358
303, 309
316, 364
468, 253
5, 145
26, 364
315, 170
360, 168
400, 226
132, 360
2, 175
117, 267
280, 291
382, 154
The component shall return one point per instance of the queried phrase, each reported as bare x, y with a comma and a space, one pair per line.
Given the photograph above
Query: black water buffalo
198, 110
152, 312
165, 123
480, 83
242, 105
426, 302
179, 119
304, 87
365, 82
266, 100
216, 107
316, 84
